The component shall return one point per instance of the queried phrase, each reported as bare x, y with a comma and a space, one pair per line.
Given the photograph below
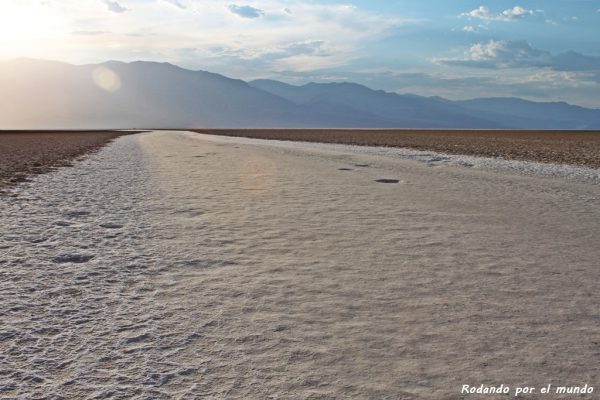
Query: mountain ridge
159, 94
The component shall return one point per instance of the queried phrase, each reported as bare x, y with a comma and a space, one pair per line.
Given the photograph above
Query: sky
543, 50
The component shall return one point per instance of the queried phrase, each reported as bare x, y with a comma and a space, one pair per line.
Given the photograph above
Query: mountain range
38, 94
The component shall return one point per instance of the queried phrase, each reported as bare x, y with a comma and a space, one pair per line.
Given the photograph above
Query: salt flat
180, 265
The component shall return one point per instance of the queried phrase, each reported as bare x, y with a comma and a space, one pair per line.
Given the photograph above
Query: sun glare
27, 30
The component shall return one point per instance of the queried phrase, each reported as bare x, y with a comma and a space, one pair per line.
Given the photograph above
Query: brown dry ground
562, 147
23, 153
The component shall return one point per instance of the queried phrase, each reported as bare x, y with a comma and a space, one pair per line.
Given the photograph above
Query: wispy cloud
176, 3
246, 11
254, 36
306, 47
88, 33
540, 85
511, 14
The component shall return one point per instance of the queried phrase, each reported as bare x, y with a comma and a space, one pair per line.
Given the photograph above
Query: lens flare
107, 79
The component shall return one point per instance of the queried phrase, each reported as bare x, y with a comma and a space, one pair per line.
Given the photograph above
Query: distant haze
45, 94
539, 50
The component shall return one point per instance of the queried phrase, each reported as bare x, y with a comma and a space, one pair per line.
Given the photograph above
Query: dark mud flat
561, 147
24, 153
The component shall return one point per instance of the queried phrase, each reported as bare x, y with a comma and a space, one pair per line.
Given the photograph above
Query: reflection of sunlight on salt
107, 79
257, 173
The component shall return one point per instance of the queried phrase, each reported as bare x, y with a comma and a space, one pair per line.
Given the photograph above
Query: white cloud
469, 28
511, 14
246, 11
516, 12
500, 54
114, 6
296, 35
503, 54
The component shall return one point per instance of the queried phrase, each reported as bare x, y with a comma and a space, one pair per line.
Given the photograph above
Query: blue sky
544, 50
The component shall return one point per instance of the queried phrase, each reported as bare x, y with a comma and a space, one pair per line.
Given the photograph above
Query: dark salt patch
33, 379
165, 378
199, 156
7, 334
138, 338
36, 239
361, 165
207, 263
72, 258
19, 179
345, 169
435, 159
189, 212
135, 266
76, 213
63, 223
194, 263
387, 180
110, 225
186, 371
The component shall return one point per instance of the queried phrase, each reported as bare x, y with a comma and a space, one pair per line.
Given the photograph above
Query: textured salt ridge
79, 315
434, 159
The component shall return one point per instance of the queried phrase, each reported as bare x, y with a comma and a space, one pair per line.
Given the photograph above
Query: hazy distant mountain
530, 115
50, 94
390, 109
417, 111
47, 94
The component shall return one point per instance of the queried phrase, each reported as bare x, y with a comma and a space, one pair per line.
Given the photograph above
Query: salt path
182, 265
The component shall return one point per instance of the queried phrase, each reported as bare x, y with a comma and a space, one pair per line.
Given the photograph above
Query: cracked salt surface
260, 270
79, 319
435, 159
